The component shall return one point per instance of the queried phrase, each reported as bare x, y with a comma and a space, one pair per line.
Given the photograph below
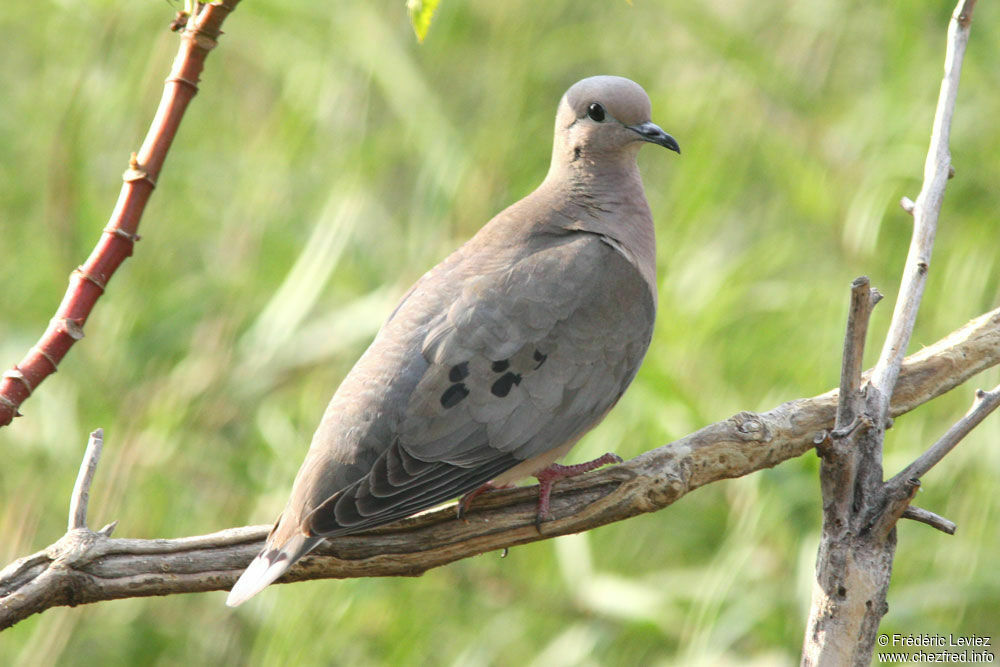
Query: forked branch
860, 510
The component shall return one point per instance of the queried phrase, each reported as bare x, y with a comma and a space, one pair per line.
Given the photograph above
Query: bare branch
926, 209
88, 282
930, 518
81, 490
86, 567
982, 406
863, 299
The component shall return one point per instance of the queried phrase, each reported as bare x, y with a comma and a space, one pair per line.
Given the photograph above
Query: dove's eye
596, 112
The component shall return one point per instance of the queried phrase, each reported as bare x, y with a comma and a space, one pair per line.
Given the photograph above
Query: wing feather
515, 363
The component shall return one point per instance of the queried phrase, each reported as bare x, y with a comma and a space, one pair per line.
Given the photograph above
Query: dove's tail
270, 564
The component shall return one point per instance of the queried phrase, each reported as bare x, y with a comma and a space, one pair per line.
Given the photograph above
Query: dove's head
605, 117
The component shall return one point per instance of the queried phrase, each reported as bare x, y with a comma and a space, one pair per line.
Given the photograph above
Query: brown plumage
503, 355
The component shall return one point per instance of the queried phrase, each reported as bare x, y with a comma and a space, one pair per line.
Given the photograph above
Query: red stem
87, 283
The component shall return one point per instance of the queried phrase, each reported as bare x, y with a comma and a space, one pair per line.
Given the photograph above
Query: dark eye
596, 112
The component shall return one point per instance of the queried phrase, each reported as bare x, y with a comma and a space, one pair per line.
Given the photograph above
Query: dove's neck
606, 197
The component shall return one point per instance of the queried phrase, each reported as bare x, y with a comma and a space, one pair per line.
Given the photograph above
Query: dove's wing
517, 363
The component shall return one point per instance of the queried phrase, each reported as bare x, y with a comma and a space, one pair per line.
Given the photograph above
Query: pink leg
547, 477
465, 501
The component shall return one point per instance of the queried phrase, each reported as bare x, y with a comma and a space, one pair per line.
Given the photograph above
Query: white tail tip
259, 575
268, 566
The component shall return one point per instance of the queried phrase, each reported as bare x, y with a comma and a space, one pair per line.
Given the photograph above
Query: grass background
329, 160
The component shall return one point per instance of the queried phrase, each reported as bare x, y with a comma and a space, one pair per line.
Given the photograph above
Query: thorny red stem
88, 282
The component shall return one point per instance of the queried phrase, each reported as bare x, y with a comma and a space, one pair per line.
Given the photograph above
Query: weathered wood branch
81, 489
85, 567
984, 403
88, 282
860, 509
930, 518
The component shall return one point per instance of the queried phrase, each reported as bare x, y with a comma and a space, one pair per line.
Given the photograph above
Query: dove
497, 361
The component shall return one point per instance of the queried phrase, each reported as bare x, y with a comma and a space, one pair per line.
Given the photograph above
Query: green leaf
421, 13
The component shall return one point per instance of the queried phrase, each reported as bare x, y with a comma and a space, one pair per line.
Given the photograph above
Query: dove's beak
652, 133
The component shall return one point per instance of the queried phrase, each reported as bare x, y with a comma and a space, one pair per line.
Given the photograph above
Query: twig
930, 518
926, 209
81, 490
88, 282
863, 299
86, 567
982, 406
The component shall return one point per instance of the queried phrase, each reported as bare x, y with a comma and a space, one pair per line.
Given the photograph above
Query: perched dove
503, 355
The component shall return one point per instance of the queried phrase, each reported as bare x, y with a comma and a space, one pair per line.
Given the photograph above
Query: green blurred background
329, 160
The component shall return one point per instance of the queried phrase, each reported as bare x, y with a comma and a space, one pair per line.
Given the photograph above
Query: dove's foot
465, 501
547, 477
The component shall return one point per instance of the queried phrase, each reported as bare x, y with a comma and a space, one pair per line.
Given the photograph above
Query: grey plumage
501, 357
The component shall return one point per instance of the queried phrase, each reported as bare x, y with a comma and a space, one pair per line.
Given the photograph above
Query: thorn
121, 233
72, 328
180, 20
951, 172
907, 204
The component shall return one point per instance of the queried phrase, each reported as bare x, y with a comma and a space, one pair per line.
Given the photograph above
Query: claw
548, 476
465, 501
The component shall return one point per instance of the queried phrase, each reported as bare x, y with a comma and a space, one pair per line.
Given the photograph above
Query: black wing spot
500, 366
459, 372
506, 382
453, 395
540, 358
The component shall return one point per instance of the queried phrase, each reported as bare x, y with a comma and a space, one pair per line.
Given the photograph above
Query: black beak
652, 133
